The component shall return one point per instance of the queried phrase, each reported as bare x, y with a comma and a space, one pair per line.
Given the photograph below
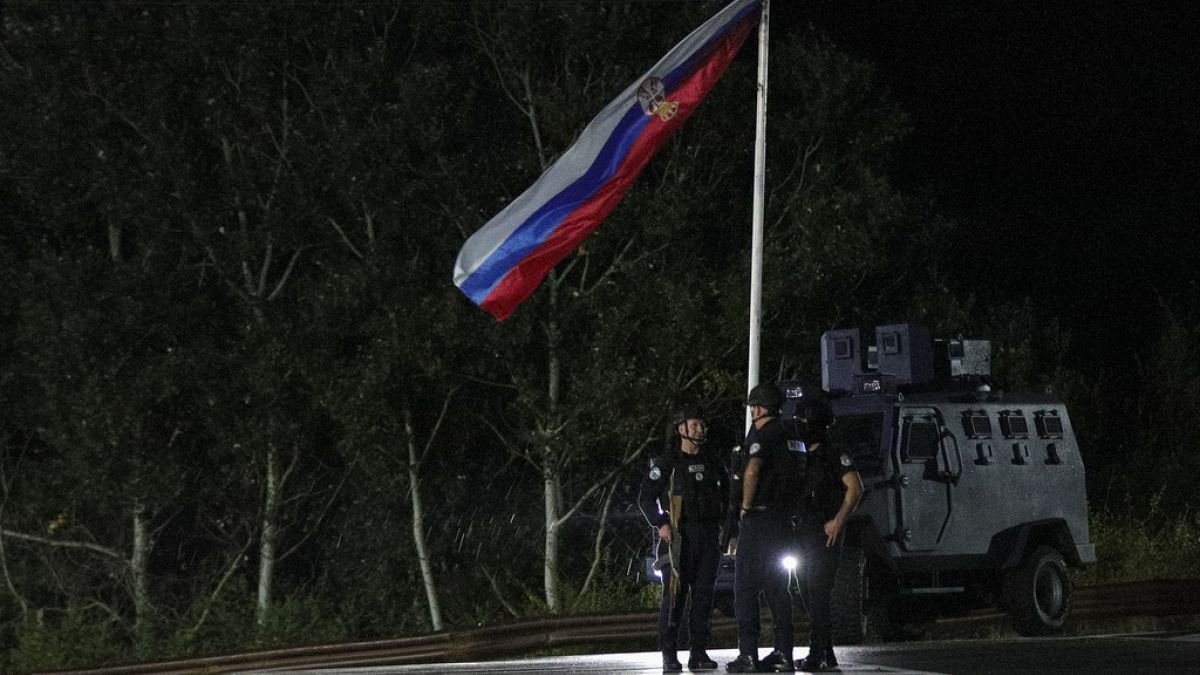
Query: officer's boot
816, 661
671, 662
699, 660
778, 662
744, 663
830, 659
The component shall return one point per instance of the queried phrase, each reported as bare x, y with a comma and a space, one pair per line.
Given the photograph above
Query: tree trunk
270, 532
418, 524
550, 569
138, 563
114, 242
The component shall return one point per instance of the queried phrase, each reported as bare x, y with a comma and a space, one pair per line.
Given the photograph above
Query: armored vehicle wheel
885, 619
846, 603
1038, 593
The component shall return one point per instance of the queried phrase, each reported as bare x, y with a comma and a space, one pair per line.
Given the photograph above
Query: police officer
768, 484
832, 490
684, 498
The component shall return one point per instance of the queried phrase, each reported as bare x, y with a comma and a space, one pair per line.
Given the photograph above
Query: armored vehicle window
841, 348
862, 437
890, 343
977, 424
1013, 425
920, 440
1049, 425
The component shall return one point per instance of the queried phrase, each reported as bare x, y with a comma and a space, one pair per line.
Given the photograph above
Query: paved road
1091, 655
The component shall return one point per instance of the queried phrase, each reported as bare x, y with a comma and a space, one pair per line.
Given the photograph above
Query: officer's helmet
766, 395
681, 416
815, 412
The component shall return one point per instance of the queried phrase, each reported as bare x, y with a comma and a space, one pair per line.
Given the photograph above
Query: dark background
1063, 137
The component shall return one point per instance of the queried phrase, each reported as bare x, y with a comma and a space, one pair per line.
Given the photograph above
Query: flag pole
760, 180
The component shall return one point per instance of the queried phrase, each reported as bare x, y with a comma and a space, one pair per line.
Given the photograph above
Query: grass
1143, 544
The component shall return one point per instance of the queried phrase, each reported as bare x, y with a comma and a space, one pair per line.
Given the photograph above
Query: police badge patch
655, 473
846, 460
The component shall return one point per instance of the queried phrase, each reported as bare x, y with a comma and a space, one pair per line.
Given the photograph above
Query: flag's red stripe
523, 279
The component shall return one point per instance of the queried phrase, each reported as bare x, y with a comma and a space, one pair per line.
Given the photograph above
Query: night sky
1063, 136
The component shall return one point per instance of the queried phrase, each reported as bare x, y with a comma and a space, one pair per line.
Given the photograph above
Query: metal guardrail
1151, 598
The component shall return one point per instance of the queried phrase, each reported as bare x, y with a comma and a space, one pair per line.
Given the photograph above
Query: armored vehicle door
928, 465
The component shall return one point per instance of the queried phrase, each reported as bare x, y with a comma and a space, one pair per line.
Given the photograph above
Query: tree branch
321, 516
596, 549
291, 467
604, 481
4, 568
489, 383
237, 559
436, 427
261, 289
87, 546
287, 272
496, 591
353, 249
512, 449
483, 46
616, 263
111, 109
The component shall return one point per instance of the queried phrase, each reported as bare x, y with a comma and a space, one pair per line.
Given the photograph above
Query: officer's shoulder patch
846, 461
755, 448
655, 473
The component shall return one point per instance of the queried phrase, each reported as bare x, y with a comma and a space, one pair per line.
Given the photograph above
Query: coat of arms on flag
653, 99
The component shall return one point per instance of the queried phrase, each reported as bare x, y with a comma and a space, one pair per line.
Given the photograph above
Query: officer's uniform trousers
818, 566
699, 559
762, 541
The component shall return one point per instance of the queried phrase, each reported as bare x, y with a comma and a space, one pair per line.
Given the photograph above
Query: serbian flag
503, 262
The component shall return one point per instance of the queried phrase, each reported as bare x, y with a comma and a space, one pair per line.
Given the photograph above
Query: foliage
76, 639
301, 620
616, 597
1170, 411
1136, 541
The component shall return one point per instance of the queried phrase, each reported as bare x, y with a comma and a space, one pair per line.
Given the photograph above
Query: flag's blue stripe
542, 223
534, 231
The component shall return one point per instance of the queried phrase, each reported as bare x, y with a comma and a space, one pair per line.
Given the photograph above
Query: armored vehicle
972, 497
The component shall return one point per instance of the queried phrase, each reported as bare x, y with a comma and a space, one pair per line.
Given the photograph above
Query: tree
1163, 458
111, 390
